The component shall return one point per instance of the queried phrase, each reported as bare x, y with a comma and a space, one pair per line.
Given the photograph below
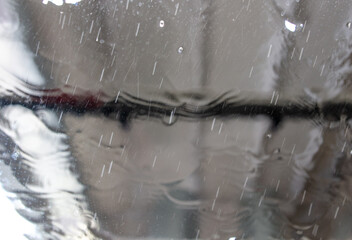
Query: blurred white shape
72, 1
290, 26
15, 58
47, 155
61, 2
16, 226
56, 2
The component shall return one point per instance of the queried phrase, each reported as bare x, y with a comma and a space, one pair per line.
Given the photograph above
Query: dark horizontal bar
128, 106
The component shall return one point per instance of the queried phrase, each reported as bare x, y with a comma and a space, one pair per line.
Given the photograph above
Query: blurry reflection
175, 119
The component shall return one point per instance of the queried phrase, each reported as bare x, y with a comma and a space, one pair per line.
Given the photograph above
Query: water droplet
290, 26
268, 135
180, 50
349, 24
15, 155
293, 27
169, 119
161, 23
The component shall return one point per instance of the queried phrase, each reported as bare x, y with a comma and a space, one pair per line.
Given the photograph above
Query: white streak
137, 29
177, 6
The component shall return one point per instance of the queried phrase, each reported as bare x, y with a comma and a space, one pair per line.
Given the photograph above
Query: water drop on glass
169, 120
180, 50
161, 23
15, 155
349, 24
290, 26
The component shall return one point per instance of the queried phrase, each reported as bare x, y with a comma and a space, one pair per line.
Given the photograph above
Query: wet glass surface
175, 119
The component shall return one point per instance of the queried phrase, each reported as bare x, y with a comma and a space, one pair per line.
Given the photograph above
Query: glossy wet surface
175, 119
